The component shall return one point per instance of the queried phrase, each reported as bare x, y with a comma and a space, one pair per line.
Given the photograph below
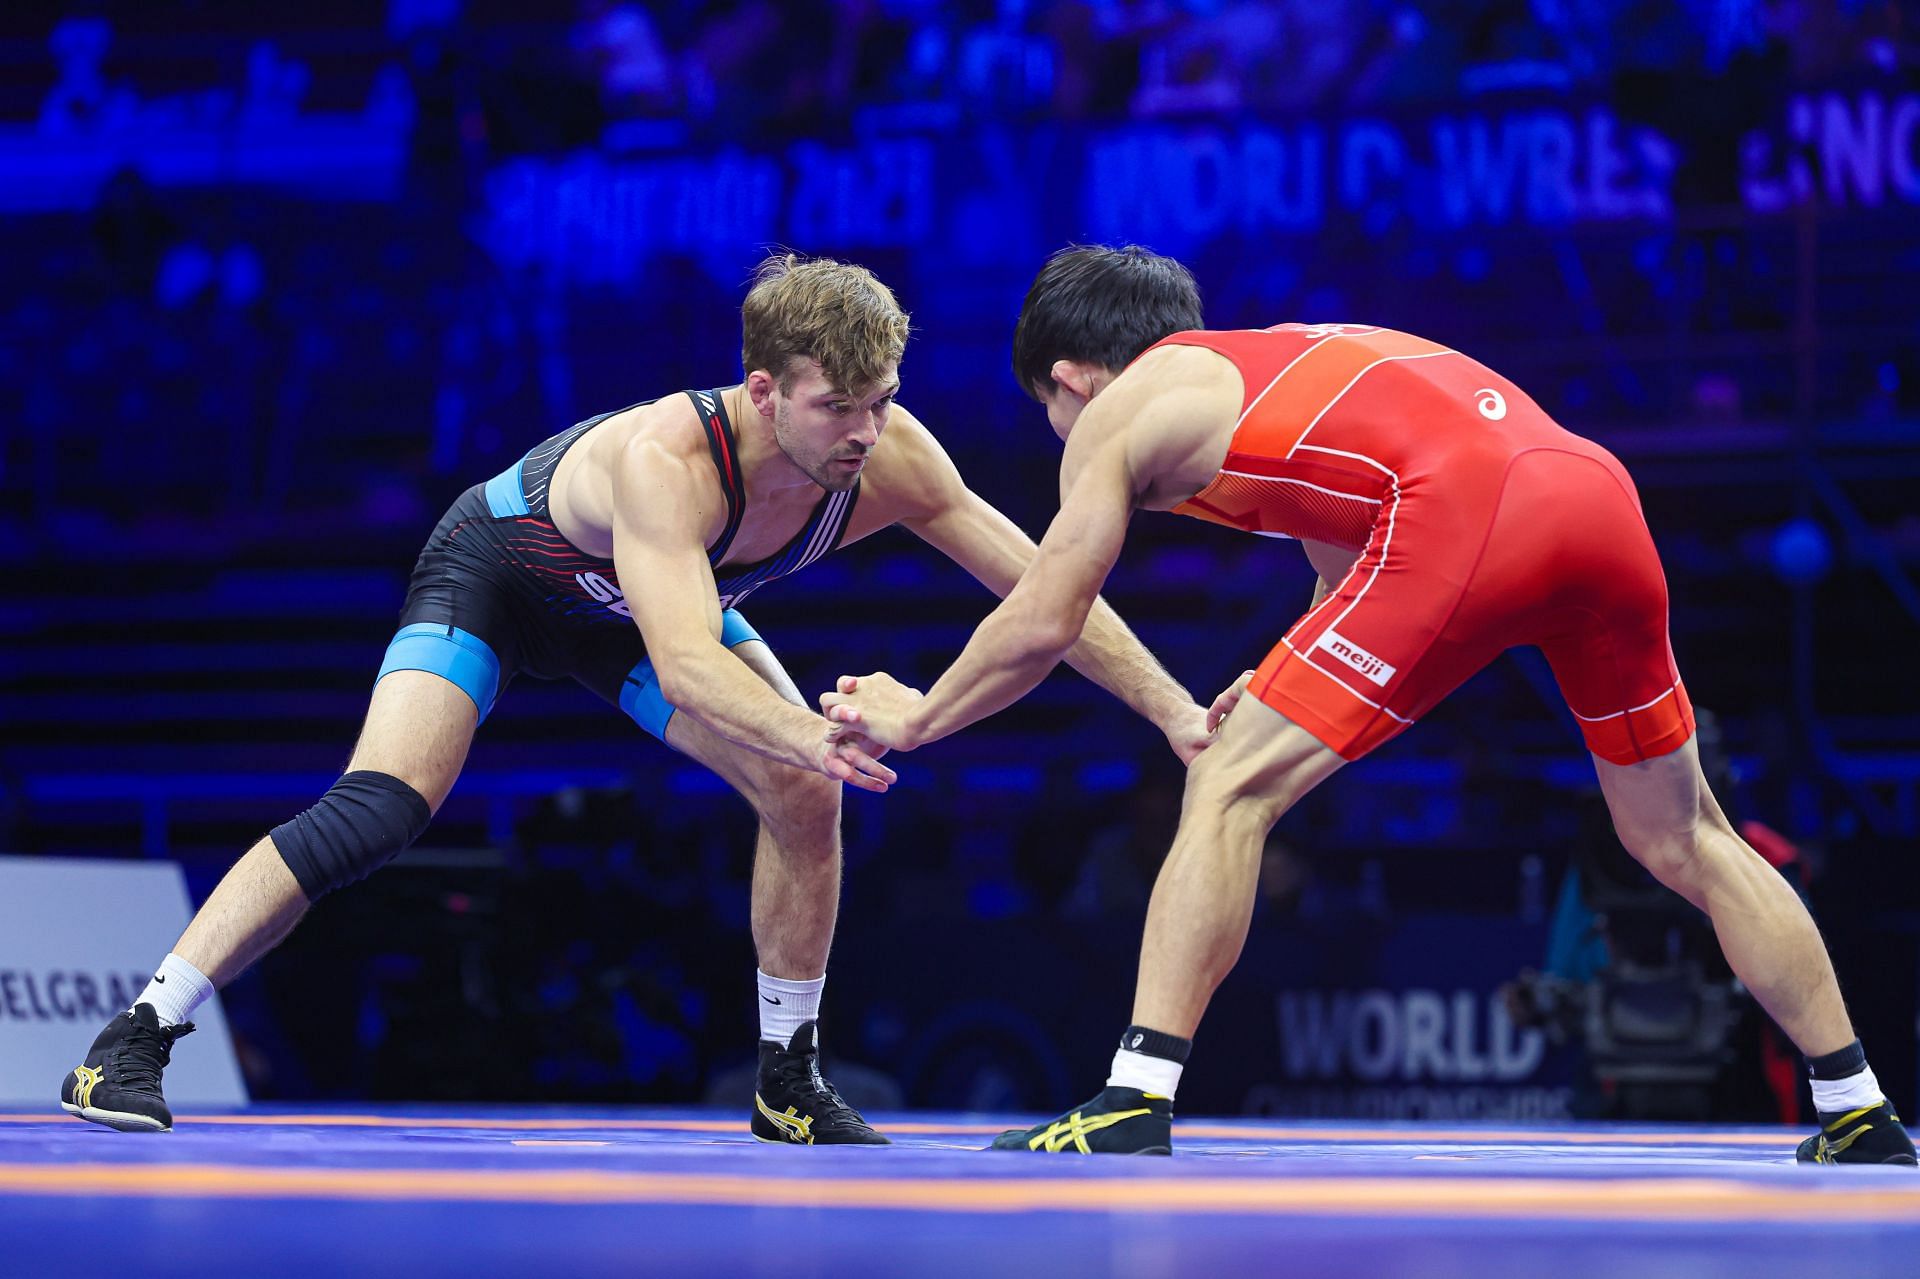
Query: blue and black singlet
498, 590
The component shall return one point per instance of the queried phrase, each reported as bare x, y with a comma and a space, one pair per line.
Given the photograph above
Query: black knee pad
365, 821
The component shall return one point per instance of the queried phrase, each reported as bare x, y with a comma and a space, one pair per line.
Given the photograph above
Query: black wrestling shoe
1869, 1135
1120, 1121
120, 1084
793, 1105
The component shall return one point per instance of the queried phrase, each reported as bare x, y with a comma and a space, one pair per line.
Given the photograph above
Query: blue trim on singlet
735, 629
506, 492
455, 655
640, 695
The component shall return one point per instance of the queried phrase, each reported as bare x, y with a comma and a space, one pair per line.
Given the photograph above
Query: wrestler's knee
1235, 786
800, 808
365, 820
1672, 859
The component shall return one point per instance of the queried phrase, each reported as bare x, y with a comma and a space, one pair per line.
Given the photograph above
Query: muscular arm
1038, 621
659, 540
973, 534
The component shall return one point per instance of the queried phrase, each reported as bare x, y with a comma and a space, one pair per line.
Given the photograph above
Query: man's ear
1075, 376
760, 391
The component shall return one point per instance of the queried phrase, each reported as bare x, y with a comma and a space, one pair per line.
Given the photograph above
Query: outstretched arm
980, 539
1038, 622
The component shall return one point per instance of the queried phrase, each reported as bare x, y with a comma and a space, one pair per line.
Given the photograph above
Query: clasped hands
865, 720
869, 715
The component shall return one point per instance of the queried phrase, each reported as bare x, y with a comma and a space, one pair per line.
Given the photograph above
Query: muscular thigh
418, 729
1544, 547
1602, 620
1386, 644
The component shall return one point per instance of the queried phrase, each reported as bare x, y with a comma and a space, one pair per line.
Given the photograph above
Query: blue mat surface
490, 1191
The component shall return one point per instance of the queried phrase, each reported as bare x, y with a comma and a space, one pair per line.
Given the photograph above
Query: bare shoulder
1171, 414
668, 427
1187, 368
662, 470
1158, 384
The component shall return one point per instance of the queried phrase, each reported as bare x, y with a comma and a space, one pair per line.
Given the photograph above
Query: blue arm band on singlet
449, 652
734, 629
640, 695
507, 493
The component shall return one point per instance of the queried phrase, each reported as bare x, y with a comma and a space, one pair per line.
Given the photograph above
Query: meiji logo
1358, 658
606, 592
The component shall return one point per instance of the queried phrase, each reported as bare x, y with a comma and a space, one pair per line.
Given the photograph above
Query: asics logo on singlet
1358, 658
1492, 404
606, 592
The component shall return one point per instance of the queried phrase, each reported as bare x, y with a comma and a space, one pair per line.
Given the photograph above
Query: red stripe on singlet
726, 454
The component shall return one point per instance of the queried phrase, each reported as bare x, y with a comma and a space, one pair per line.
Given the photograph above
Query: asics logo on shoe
1831, 1146
1073, 1130
797, 1127
1136, 1041
83, 1090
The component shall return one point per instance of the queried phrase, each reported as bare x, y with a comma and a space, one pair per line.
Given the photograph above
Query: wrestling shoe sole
119, 1120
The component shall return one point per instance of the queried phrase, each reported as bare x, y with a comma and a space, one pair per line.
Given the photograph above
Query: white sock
176, 990
785, 1004
1837, 1096
1156, 1075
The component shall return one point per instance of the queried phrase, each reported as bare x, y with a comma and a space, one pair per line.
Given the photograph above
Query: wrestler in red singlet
1482, 524
1473, 524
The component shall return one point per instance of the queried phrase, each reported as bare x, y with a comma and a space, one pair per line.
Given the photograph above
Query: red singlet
1481, 523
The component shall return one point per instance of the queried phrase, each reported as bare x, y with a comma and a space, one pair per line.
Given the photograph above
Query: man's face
826, 430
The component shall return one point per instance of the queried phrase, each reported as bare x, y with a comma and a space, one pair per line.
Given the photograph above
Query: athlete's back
1338, 418
1481, 524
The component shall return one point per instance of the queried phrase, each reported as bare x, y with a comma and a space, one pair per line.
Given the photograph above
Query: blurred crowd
810, 65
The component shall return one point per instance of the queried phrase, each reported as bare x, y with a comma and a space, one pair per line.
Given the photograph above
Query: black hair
1100, 305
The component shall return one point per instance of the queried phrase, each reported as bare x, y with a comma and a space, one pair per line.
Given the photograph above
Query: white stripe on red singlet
1631, 710
1385, 359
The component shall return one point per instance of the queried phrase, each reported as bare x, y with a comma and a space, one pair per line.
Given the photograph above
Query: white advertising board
78, 941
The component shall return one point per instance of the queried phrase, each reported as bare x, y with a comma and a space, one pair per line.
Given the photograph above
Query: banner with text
78, 940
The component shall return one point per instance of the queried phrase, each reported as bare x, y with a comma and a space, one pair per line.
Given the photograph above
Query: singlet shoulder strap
824, 530
827, 527
726, 461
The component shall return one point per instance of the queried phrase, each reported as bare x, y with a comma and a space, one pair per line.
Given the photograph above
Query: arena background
278, 288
